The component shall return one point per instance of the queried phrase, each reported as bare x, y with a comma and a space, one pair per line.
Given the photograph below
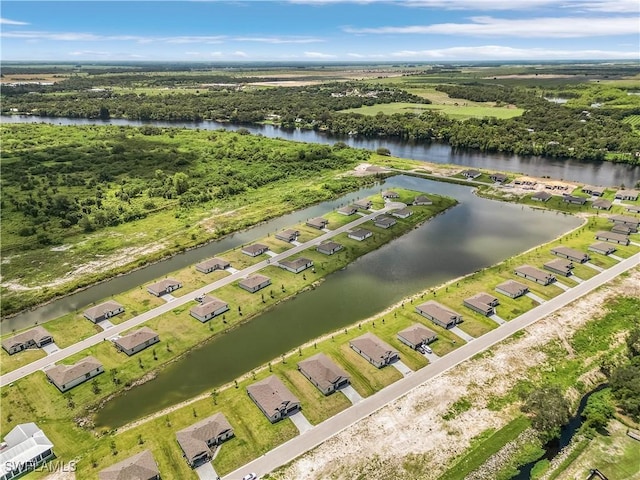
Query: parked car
199, 298
427, 349
420, 349
250, 476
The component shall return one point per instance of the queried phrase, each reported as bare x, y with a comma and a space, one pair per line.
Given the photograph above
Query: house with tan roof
417, 335
348, 210
255, 249
212, 265
329, 248
595, 191
483, 303
288, 235
254, 283
138, 467
374, 350
625, 220
439, 314
390, 194
296, 266
601, 204
103, 311
402, 213
197, 440
534, 274
422, 200
136, 341
163, 287
627, 195
561, 266
36, 337
571, 254
318, 223
360, 234
384, 221
498, 177
471, 174
623, 229
274, 399
633, 208
602, 248
512, 289
65, 377
363, 204
324, 373
209, 308
612, 237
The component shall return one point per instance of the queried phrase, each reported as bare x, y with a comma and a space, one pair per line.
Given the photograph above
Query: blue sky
320, 30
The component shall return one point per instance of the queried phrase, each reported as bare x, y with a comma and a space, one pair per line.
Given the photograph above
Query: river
475, 234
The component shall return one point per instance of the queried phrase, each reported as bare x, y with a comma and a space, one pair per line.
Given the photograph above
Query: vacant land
459, 111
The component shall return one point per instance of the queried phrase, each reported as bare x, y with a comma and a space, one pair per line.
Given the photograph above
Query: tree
549, 410
625, 386
180, 182
633, 342
599, 410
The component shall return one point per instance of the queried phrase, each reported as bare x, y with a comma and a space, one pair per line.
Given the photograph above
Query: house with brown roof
601, 204
209, 308
498, 177
297, 265
541, 196
329, 248
561, 266
625, 220
360, 234
571, 254
439, 314
612, 237
288, 235
422, 200
574, 200
627, 195
402, 213
633, 208
595, 191
348, 210
212, 265
318, 223
512, 289
383, 221
274, 399
255, 249
138, 467
390, 194
483, 303
416, 336
534, 274
374, 350
103, 311
471, 174
197, 440
163, 287
136, 341
602, 248
324, 373
254, 283
363, 204
623, 229
65, 377
36, 337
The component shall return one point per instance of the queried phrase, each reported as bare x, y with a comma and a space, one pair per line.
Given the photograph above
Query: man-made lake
474, 234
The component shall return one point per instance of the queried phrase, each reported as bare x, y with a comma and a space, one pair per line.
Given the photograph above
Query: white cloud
498, 52
240, 53
89, 53
279, 40
6, 21
196, 39
567, 27
318, 55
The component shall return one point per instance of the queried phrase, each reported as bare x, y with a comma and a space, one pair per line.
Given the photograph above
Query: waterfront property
212, 265
384, 222
512, 289
623, 229
329, 248
65, 377
254, 283
297, 265
255, 249
534, 274
612, 237
627, 195
196, 441
422, 200
23, 449
439, 314
363, 204
595, 191
360, 234
138, 467
390, 194
470, 174
571, 254
136, 341
541, 196
163, 287
483, 303
498, 177
402, 213
374, 350
209, 308
601, 204
324, 373
318, 223
561, 266
348, 210
626, 220
288, 235
574, 200
274, 399
602, 248
103, 311
416, 336
36, 337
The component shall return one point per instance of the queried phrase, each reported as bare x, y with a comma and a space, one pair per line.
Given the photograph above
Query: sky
320, 30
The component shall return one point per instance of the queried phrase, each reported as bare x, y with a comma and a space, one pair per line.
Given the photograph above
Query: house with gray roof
390, 194
273, 398
422, 200
602, 204
212, 265
318, 223
534, 274
626, 220
103, 311
574, 199
402, 213
24, 448
595, 191
348, 210
363, 204
324, 373
627, 195
471, 174
374, 350
65, 377
255, 249
360, 234
623, 229
36, 337
197, 440
541, 196
136, 341
612, 237
498, 177
633, 208
288, 235
384, 221
417, 335
254, 283
561, 266
439, 314
210, 308
602, 248
138, 467
163, 287
571, 254
483, 303
512, 289
297, 265
329, 248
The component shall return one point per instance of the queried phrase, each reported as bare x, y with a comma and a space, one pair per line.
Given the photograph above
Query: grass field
633, 120
460, 111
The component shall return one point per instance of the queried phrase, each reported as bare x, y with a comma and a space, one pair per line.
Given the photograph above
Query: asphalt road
167, 307
295, 447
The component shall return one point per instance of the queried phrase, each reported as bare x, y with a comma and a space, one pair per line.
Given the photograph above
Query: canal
475, 234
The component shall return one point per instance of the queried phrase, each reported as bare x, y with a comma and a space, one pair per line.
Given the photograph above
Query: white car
250, 476
427, 349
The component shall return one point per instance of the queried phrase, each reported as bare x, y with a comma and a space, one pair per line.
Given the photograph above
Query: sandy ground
415, 421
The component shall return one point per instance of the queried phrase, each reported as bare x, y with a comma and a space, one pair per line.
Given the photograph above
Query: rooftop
135, 338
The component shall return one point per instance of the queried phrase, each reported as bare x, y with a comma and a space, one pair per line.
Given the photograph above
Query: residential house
422, 200
560, 266
274, 399
138, 467
329, 248
348, 210
65, 377
254, 283
390, 194
212, 265
602, 204
324, 373
402, 213
571, 254
594, 191
136, 341
103, 311
383, 221
541, 196
535, 275
288, 235
36, 337
602, 248
255, 249
483, 303
471, 174
512, 289
23, 449
163, 287
297, 265
439, 314
360, 234
209, 308
633, 208
623, 229
574, 200
318, 223
196, 441
626, 220
498, 177
374, 350
612, 237
627, 195
417, 335
363, 204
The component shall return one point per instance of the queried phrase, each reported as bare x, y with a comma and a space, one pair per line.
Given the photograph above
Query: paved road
167, 307
295, 447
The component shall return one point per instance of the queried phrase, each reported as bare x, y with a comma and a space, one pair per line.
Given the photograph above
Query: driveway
497, 319
402, 368
535, 297
301, 422
231, 270
575, 278
616, 257
51, 348
167, 297
462, 334
432, 357
561, 285
595, 267
206, 472
350, 392
105, 324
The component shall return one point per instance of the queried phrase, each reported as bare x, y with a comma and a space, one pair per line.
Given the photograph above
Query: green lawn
460, 111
